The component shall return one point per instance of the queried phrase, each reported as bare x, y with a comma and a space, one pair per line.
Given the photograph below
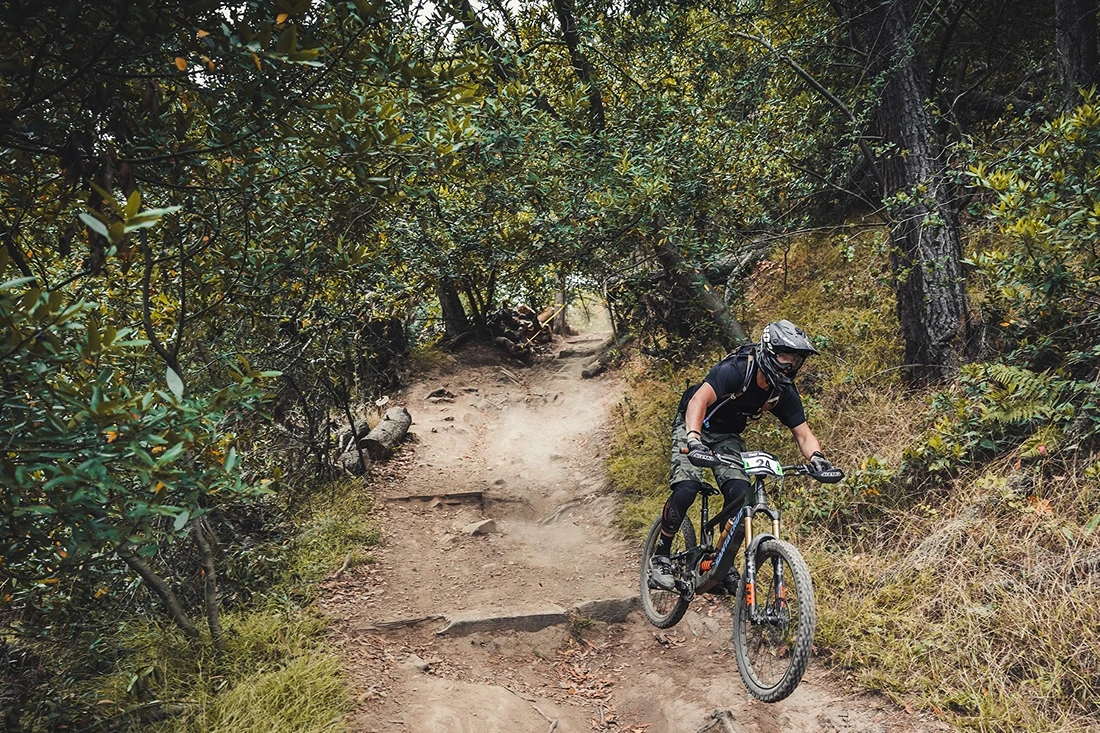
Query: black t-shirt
727, 378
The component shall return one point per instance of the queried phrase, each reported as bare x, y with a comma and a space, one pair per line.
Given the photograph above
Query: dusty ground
530, 439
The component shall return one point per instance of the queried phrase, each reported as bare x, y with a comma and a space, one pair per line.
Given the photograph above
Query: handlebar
711, 459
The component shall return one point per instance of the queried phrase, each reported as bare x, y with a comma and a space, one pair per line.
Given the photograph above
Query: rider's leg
679, 501
734, 491
685, 480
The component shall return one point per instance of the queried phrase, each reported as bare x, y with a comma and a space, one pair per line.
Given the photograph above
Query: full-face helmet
782, 350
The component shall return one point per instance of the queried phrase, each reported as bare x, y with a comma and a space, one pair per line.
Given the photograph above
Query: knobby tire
664, 608
772, 656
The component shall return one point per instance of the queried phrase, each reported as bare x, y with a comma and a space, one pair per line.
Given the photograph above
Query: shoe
660, 573
731, 581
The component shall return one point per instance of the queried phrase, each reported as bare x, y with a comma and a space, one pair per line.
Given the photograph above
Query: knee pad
682, 497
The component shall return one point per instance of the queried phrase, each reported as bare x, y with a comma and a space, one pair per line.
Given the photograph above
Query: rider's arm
807, 441
696, 410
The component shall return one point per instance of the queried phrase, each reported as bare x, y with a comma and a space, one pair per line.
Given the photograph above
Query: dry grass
276, 673
984, 609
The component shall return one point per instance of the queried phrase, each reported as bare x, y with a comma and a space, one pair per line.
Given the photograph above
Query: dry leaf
257, 60
282, 18
202, 34
181, 63
1042, 506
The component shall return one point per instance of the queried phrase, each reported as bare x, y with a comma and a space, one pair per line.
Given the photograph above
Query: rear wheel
772, 652
664, 608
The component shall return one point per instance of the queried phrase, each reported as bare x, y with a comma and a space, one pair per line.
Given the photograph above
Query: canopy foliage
226, 223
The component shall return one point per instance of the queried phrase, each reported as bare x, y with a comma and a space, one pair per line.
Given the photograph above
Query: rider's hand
694, 443
819, 462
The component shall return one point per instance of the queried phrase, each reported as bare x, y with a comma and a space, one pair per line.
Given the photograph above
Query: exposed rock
441, 392
593, 370
485, 526
473, 622
416, 663
608, 610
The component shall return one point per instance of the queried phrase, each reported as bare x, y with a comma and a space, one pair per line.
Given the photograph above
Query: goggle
791, 362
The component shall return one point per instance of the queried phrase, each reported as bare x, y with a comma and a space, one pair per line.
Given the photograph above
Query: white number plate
759, 463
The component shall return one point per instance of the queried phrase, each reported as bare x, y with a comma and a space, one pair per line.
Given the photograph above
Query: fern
1016, 396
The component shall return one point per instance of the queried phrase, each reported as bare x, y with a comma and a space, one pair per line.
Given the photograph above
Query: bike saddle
709, 490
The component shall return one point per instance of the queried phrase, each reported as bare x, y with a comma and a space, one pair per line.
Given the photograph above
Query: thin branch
158, 586
829, 96
147, 318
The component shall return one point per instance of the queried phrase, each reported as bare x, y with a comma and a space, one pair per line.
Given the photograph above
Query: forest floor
451, 631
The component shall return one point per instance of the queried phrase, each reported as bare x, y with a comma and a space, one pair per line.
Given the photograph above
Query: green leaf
17, 282
288, 40
141, 223
116, 232
156, 213
1093, 524
108, 199
36, 509
175, 384
231, 459
171, 454
94, 224
181, 519
133, 204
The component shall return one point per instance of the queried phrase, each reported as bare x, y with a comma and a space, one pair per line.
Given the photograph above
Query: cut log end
381, 441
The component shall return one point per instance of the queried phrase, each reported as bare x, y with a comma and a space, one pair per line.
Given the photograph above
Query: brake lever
828, 476
702, 458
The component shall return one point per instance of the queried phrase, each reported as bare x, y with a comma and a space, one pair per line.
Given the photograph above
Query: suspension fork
750, 553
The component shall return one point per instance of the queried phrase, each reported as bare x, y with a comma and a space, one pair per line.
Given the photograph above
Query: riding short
682, 470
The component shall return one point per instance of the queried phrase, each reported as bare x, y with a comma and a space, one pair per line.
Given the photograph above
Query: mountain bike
773, 606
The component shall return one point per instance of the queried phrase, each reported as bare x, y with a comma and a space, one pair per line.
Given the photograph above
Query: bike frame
703, 581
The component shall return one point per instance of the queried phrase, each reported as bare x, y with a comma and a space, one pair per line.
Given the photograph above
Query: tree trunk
454, 315
562, 305
210, 584
381, 441
568, 21
925, 250
1075, 29
701, 290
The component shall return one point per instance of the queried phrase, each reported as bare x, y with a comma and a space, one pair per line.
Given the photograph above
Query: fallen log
609, 354
381, 441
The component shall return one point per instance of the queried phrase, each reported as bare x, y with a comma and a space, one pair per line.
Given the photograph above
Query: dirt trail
515, 653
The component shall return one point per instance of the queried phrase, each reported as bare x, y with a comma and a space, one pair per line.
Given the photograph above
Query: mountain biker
712, 415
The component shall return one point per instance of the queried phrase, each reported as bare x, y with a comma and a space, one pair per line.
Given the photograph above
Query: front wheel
664, 608
773, 651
